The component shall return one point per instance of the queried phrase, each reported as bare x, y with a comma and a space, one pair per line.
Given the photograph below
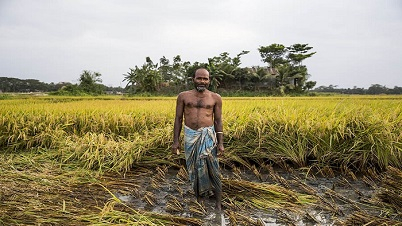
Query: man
203, 136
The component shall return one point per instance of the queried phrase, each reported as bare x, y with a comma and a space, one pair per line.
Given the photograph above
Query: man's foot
218, 206
200, 200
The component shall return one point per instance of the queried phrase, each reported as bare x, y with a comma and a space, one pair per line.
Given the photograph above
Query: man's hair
201, 68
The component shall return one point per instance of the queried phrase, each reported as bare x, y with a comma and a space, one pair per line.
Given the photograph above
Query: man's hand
175, 148
221, 150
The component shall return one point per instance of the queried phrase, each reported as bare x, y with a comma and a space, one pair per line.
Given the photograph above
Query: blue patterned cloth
201, 160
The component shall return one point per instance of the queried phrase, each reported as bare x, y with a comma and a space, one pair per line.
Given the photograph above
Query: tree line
16, 85
373, 89
284, 73
27, 85
10, 85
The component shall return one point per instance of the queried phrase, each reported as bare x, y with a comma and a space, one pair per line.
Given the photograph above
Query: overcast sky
358, 43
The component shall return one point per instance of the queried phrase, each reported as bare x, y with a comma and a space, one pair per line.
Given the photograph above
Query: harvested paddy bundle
197, 208
112, 214
391, 194
362, 218
159, 177
173, 204
149, 198
236, 218
263, 195
115, 211
392, 180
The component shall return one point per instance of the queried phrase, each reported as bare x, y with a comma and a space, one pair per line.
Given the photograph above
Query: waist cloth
201, 160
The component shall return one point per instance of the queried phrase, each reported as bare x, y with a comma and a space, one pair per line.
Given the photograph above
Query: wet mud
167, 191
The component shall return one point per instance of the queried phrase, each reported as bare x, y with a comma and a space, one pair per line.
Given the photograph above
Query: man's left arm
218, 124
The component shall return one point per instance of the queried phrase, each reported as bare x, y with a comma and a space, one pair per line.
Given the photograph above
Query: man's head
201, 79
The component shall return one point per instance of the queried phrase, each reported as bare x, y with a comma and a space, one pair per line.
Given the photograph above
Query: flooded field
35, 191
338, 198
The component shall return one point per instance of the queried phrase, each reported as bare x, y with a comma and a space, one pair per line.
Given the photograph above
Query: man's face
201, 81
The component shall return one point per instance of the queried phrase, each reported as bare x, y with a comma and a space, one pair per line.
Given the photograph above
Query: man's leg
218, 196
214, 176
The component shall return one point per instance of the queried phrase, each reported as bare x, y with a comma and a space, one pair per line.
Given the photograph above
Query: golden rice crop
339, 132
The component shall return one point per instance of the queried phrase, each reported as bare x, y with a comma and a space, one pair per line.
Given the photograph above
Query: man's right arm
178, 122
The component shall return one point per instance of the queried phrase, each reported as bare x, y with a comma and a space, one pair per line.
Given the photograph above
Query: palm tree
144, 79
214, 75
132, 80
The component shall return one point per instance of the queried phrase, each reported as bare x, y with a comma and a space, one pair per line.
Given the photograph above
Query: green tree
287, 61
165, 69
396, 90
173, 73
283, 77
260, 77
273, 54
377, 89
179, 71
298, 53
89, 82
145, 79
214, 75
223, 69
310, 84
241, 77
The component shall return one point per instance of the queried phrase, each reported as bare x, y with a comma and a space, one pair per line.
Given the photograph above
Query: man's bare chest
200, 103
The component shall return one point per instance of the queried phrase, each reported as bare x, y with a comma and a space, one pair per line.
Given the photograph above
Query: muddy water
340, 196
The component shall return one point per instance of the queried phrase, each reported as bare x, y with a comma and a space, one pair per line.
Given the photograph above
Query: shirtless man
203, 139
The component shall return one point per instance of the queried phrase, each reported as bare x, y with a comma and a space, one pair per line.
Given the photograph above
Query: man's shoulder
215, 95
185, 93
